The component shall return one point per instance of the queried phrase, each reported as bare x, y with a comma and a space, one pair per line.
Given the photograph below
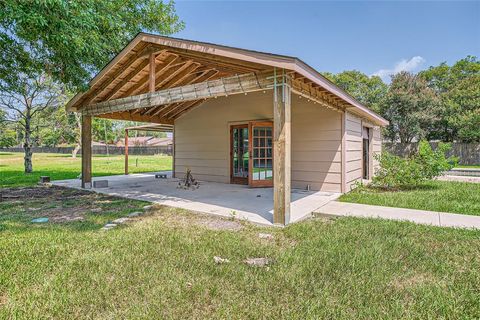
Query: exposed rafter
208, 89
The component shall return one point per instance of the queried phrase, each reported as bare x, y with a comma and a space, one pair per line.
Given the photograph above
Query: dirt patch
58, 204
176, 216
220, 224
51, 192
412, 281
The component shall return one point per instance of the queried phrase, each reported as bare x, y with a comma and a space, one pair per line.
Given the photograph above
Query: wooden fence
112, 150
467, 153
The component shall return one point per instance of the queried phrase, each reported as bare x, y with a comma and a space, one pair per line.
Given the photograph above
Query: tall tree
459, 91
71, 40
409, 106
68, 41
23, 103
369, 91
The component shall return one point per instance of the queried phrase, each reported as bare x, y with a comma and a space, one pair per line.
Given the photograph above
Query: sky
374, 37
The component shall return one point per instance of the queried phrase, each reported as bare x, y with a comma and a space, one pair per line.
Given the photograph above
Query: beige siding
202, 139
354, 148
316, 146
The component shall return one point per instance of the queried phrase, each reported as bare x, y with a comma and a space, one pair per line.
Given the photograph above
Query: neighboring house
239, 116
145, 142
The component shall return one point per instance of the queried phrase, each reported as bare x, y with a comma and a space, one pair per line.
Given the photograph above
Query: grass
443, 196
161, 266
471, 166
63, 166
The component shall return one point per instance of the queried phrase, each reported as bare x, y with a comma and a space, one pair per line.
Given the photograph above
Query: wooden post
126, 151
343, 186
151, 75
281, 151
173, 153
86, 151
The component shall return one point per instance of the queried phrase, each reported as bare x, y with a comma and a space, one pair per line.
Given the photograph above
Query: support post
126, 151
151, 75
281, 150
343, 186
173, 154
86, 151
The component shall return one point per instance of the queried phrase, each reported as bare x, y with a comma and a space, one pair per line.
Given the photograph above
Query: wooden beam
188, 108
126, 151
151, 73
174, 81
197, 91
107, 82
126, 80
177, 108
281, 153
129, 116
166, 65
86, 151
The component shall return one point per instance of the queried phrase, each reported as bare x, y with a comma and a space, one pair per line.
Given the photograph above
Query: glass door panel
261, 146
239, 154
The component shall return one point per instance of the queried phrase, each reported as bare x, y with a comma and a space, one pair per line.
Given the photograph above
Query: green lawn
444, 196
63, 166
161, 266
473, 166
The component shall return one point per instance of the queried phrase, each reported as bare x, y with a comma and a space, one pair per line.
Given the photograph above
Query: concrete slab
440, 219
242, 202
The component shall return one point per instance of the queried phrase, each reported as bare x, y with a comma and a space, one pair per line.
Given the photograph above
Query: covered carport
159, 80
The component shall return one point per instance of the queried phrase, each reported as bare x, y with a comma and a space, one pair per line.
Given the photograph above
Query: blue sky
373, 37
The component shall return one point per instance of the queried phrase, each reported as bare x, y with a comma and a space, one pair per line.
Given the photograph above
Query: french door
251, 154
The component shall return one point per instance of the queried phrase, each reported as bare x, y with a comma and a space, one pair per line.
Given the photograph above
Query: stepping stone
258, 262
146, 208
110, 225
219, 260
267, 236
134, 214
96, 210
120, 220
40, 220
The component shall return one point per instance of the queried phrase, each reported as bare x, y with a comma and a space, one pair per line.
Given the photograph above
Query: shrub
426, 164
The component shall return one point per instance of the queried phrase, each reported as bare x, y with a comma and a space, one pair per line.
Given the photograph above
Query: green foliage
410, 107
426, 164
71, 40
8, 137
458, 88
369, 91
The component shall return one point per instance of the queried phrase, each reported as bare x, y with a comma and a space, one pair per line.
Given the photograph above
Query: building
238, 116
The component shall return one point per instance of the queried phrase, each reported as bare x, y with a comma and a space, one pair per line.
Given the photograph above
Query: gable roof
250, 59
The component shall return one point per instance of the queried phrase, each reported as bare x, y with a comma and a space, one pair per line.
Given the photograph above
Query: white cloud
402, 65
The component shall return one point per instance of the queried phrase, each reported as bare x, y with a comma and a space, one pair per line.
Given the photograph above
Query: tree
7, 134
409, 106
369, 91
71, 40
459, 91
24, 101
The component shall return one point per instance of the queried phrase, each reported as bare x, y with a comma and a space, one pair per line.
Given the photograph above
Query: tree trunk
75, 151
27, 145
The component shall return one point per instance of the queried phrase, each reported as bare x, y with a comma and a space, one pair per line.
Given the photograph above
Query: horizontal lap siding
202, 139
202, 136
353, 154
316, 146
353, 165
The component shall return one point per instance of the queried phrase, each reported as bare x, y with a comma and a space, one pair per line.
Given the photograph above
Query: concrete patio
242, 202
